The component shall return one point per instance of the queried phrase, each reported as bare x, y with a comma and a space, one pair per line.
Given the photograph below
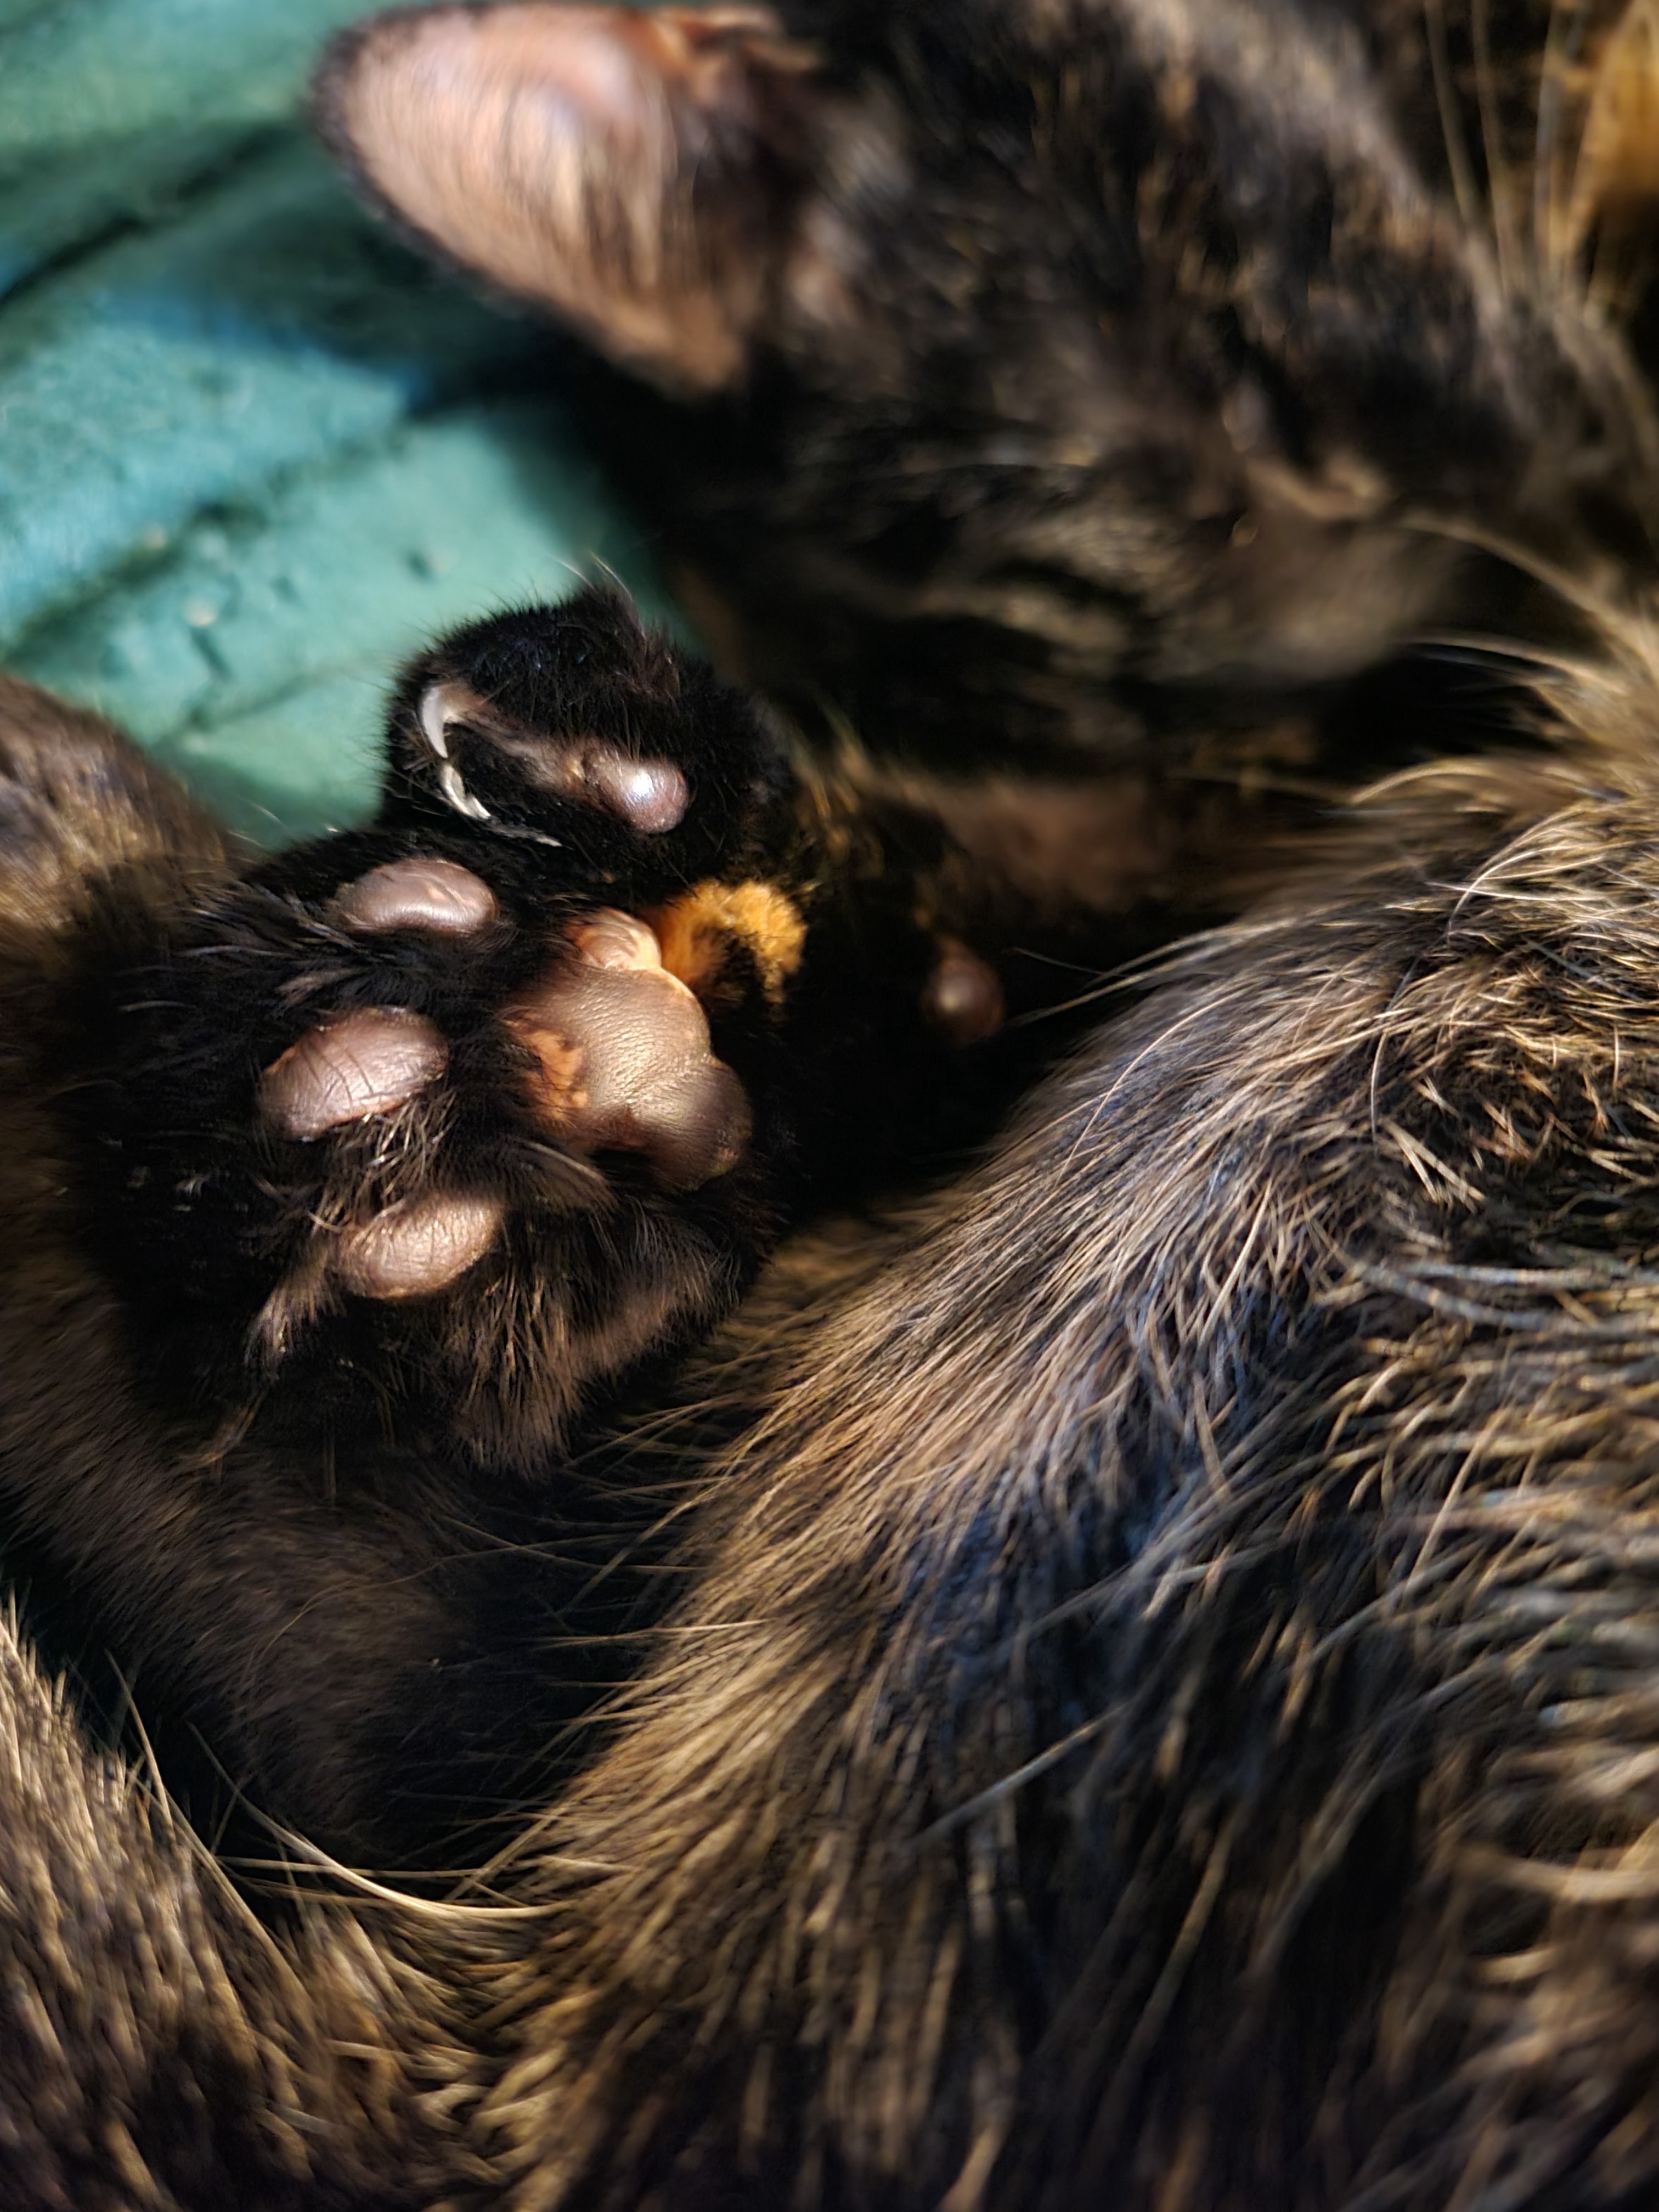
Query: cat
1070, 383
1154, 1705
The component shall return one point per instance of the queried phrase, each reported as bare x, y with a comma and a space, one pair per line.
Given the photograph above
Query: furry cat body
1155, 1704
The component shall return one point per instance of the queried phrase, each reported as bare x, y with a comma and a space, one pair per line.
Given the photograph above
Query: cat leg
223, 1591
320, 1605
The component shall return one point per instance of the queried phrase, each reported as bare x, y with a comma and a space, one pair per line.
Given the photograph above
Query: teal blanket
251, 451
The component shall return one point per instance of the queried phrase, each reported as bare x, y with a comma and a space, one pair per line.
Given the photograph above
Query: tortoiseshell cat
1134, 1683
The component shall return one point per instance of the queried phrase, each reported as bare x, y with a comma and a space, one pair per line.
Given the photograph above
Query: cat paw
511, 1148
618, 1048
458, 1119
613, 1058
470, 1112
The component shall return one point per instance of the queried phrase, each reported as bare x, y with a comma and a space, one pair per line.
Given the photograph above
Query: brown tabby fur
1161, 1709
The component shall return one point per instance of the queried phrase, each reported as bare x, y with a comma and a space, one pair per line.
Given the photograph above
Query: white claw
435, 722
459, 796
441, 705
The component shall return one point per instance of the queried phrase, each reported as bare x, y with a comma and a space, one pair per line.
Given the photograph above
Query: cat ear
630, 170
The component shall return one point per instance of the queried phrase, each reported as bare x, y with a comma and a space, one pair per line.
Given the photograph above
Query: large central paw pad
621, 1049
610, 1052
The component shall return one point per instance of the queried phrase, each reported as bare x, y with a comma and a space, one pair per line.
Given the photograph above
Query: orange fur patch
698, 930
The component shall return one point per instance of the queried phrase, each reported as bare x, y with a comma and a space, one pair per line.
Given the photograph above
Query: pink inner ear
553, 149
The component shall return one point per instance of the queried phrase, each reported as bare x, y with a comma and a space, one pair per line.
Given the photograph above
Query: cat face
1052, 376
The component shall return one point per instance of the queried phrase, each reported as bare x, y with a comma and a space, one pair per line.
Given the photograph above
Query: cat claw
650, 795
442, 705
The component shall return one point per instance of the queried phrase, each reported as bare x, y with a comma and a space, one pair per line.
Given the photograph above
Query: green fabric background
251, 451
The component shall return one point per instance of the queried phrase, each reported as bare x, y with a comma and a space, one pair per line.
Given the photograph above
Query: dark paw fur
458, 1119
474, 1110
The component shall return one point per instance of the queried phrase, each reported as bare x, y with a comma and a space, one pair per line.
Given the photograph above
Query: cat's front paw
604, 1051
618, 1055
534, 1151
456, 1119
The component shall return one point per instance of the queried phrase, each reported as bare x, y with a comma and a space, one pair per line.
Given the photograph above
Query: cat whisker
1451, 127
1553, 246
1498, 181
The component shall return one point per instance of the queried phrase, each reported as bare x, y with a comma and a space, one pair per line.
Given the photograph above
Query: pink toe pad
433, 895
361, 1065
622, 1060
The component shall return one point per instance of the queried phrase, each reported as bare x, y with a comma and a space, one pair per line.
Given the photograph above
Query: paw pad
962, 998
621, 1058
350, 1070
413, 1250
432, 894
